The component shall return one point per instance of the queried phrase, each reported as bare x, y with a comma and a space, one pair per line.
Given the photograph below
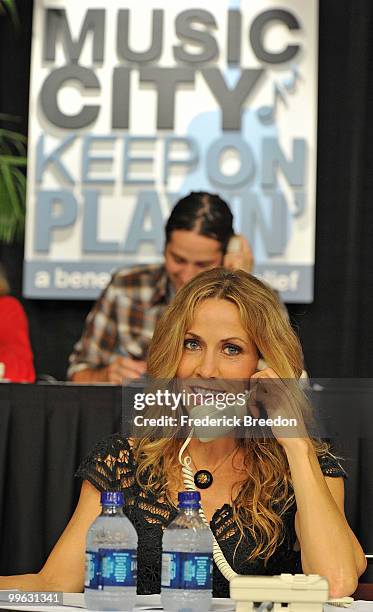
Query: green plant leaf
13, 160
12, 211
10, 141
13, 135
20, 184
11, 190
10, 118
12, 183
10, 5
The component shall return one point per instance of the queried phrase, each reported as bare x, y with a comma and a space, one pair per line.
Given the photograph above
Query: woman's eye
232, 349
192, 345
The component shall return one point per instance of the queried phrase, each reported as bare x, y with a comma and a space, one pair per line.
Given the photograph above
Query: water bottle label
181, 570
118, 567
92, 569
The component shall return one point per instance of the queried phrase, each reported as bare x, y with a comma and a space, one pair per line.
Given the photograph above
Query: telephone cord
188, 476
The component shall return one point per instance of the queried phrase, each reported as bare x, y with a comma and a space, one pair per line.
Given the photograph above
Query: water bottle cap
189, 499
112, 498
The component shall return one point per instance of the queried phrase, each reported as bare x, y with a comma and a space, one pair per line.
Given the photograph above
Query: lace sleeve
330, 466
110, 466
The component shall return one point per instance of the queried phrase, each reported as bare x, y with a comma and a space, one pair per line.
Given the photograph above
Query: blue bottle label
92, 569
181, 570
118, 567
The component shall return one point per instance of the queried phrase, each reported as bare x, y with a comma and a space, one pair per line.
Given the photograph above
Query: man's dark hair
204, 213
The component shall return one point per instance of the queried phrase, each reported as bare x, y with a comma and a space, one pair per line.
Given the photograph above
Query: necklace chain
220, 462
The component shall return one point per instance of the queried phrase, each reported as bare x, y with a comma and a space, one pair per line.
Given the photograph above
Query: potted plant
12, 163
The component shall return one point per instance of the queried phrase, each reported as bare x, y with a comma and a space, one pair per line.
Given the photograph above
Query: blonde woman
275, 505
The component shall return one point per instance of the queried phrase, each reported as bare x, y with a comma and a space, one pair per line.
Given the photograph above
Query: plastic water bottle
187, 559
111, 558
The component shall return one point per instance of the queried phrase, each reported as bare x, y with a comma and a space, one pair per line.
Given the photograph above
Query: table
74, 602
46, 430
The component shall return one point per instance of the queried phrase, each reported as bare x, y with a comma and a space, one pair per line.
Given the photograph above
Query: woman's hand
120, 370
284, 404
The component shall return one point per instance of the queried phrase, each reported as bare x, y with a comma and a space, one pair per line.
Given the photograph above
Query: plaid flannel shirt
123, 319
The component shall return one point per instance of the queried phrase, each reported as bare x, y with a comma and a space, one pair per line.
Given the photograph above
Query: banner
134, 105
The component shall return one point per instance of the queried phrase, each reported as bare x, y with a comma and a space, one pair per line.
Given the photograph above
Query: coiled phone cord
188, 477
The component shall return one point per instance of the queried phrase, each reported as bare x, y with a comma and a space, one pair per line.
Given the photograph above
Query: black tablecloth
45, 431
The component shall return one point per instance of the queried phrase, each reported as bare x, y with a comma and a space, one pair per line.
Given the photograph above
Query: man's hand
117, 372
239, 254
124, 368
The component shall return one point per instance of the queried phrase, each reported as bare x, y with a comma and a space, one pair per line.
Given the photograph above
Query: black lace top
111, 466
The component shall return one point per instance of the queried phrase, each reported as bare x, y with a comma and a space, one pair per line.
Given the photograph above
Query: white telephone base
287, 592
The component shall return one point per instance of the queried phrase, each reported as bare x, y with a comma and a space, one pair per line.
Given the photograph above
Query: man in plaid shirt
120, 326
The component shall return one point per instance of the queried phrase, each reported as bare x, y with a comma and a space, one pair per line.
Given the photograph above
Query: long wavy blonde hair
267, 492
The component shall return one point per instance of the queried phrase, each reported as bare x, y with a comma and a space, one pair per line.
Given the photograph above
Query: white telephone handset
238, 254
200, 414
234, 245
